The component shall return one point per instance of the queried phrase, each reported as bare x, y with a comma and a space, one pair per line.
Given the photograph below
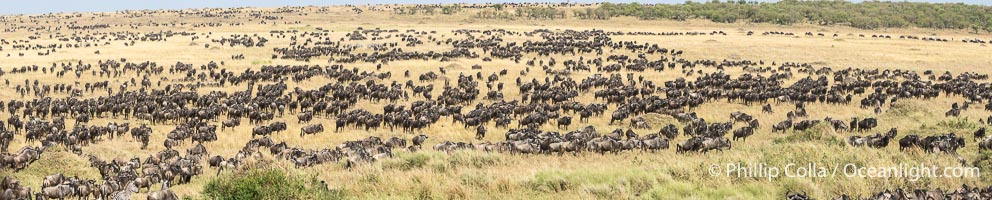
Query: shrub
957, 124
267, 184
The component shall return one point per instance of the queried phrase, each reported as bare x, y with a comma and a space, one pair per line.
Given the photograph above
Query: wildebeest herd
568, 93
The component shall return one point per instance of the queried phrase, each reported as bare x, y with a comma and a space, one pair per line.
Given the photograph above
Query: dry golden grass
478, 175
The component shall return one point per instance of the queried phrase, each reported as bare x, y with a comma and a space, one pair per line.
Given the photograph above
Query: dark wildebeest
564, 121
654, 144
419, 140
395, 142
867, 124
909, 141
480, 132
985, 144
715, 144
874, 141
767, 108
215, 161
670, 131
980, 134
953, 112
311, 129
782, 126
796, 196
743, 133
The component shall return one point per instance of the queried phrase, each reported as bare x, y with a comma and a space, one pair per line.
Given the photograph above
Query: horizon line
263, 5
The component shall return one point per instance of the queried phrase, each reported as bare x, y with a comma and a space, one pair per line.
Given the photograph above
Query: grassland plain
430, 174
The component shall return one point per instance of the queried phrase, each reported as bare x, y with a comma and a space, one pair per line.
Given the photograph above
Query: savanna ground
480, 175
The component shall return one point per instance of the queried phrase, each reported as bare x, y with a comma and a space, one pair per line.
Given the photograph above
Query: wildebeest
782, 126
58, 192
805, 124
395, 142
215, 161
230, 123
53, 180
740, 117
480, 132
603, 145
743, 133
867, 124
419, 140
980, 134
909, 141
654, 144
985, 144
261, 131
311, 129
953, 112
767, 108
838, 125
163, 194
947, 143
640, 123
670, 131
304, 117
874, 141
703, 144
796, 196
564, 121
566, 146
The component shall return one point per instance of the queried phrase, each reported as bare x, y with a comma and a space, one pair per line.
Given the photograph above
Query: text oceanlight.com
912, 172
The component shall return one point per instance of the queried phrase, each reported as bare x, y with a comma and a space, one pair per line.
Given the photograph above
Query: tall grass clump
407, 161
814, 133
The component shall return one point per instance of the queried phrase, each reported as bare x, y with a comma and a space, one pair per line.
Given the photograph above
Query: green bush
267, 184
957, 124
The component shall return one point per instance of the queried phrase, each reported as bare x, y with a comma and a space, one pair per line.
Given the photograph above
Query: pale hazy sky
48, 6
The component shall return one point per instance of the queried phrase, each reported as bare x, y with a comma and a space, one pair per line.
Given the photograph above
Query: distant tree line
494, 14
540, 13
427, 9
522, 12
865, 15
